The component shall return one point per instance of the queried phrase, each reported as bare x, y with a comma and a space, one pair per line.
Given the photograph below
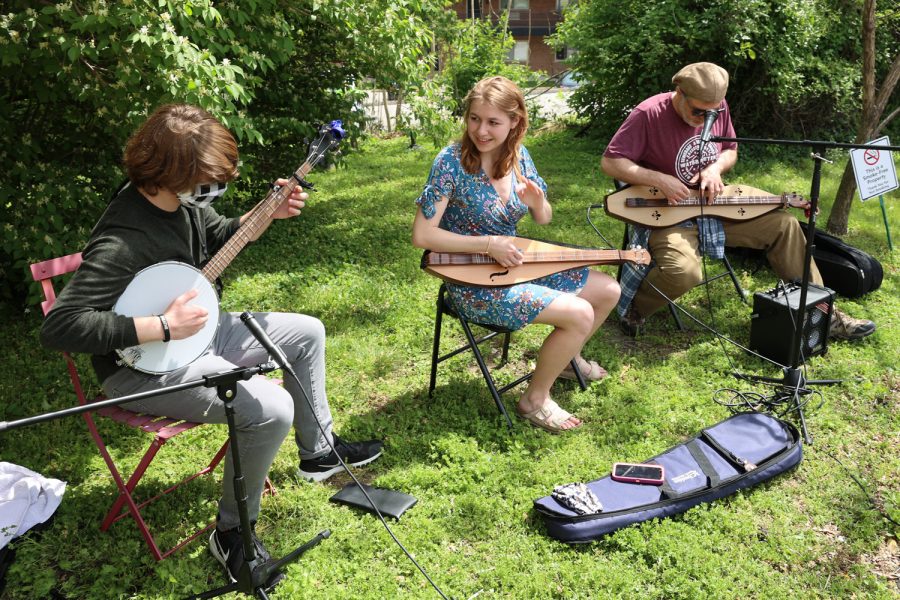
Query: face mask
203, 195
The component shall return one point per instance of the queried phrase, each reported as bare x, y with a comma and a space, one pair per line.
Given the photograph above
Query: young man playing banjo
657, 146
180, 160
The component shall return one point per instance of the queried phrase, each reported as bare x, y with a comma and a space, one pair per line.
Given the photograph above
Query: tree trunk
869, 127
387, 112
397, 111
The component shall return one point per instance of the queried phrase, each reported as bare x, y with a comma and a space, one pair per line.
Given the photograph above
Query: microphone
263, 338
711, 116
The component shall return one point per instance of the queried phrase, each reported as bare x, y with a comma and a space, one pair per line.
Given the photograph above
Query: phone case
639, 480
389, 502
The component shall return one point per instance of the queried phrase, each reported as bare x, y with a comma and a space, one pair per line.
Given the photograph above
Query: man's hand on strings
293, 203
672, 189
710, 182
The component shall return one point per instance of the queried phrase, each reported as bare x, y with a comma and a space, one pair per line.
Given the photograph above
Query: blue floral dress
475, 208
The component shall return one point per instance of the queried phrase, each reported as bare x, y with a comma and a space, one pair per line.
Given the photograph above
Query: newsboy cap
703, 81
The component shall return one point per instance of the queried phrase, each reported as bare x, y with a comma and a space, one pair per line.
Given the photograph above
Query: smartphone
638, 473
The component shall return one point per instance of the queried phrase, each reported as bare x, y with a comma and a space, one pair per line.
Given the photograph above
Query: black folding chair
445, 307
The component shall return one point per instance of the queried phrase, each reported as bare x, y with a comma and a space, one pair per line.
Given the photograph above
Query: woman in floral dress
477, 191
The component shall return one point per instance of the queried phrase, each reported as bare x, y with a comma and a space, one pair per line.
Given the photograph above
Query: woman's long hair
504, 95
179, 146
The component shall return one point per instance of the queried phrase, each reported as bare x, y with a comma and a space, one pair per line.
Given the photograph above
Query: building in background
530, 22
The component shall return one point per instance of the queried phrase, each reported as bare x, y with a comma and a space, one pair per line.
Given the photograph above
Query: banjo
646, 206
540, 259
153, 289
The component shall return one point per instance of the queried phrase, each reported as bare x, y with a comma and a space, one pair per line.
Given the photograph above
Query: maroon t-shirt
655, 137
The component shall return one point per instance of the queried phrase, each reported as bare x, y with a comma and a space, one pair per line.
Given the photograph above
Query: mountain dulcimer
646, 206
540, 259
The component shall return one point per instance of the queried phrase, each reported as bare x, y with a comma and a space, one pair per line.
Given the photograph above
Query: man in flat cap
659, 145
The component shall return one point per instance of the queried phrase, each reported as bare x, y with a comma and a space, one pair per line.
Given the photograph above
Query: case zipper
726, 453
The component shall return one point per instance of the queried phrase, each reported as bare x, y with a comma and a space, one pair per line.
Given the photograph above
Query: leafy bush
469, 50
75, 81
794, 65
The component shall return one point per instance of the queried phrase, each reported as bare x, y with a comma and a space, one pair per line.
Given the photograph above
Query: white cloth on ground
26, 499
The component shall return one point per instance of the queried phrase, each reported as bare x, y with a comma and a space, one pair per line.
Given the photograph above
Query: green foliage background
77, 77
795, 66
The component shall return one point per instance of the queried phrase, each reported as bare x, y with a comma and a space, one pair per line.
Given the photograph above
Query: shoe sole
850, 338
323, 475
216, 551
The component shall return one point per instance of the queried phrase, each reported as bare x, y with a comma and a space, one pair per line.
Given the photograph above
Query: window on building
514, 4
519, 52
473, 9
561, 4
562, 53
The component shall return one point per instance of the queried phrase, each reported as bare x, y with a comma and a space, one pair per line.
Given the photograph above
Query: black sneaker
353, 453
228, 548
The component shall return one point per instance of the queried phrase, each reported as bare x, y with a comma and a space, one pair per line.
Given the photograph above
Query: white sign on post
874, 169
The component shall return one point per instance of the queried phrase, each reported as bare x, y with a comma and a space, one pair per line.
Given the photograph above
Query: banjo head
150, 293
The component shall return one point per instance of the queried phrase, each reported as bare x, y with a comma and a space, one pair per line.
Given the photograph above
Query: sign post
875, 175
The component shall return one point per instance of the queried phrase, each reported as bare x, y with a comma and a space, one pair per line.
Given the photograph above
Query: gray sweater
131, 235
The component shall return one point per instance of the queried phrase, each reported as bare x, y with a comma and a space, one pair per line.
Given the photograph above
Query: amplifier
772, 324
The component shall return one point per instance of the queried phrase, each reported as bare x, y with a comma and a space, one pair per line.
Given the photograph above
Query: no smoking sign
874, 169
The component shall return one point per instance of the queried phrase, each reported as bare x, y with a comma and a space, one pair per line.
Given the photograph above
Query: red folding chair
162, 428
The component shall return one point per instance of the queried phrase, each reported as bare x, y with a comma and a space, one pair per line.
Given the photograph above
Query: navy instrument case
739, 452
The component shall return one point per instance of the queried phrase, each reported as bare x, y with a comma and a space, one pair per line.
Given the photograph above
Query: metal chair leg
676, 316
578, 376
489, 380
435, 351
734, 280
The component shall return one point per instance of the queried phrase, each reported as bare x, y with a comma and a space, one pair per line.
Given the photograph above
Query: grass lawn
811, 533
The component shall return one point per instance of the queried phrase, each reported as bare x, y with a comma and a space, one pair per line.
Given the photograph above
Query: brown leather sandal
549, 417
594, 372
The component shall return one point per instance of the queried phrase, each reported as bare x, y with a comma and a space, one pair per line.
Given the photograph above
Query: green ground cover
812, 533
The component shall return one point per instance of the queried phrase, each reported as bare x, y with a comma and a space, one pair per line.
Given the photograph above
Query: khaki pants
675, 250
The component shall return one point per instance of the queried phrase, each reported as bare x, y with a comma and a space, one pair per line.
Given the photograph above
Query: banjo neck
259, 218
153, 288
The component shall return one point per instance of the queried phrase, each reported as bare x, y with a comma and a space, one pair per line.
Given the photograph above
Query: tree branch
886, 120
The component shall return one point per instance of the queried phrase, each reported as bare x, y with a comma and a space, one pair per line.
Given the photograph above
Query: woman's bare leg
575, 319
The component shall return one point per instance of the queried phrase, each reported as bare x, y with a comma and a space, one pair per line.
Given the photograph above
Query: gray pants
264, 411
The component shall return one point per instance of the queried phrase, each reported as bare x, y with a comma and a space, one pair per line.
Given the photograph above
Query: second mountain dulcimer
646, 206
540, 259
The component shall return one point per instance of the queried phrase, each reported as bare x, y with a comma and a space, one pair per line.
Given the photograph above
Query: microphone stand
254, 572
793, 382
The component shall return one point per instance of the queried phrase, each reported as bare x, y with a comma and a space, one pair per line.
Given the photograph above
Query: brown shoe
845, 327
631, 323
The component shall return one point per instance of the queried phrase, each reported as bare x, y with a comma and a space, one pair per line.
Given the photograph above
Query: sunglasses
699, 112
